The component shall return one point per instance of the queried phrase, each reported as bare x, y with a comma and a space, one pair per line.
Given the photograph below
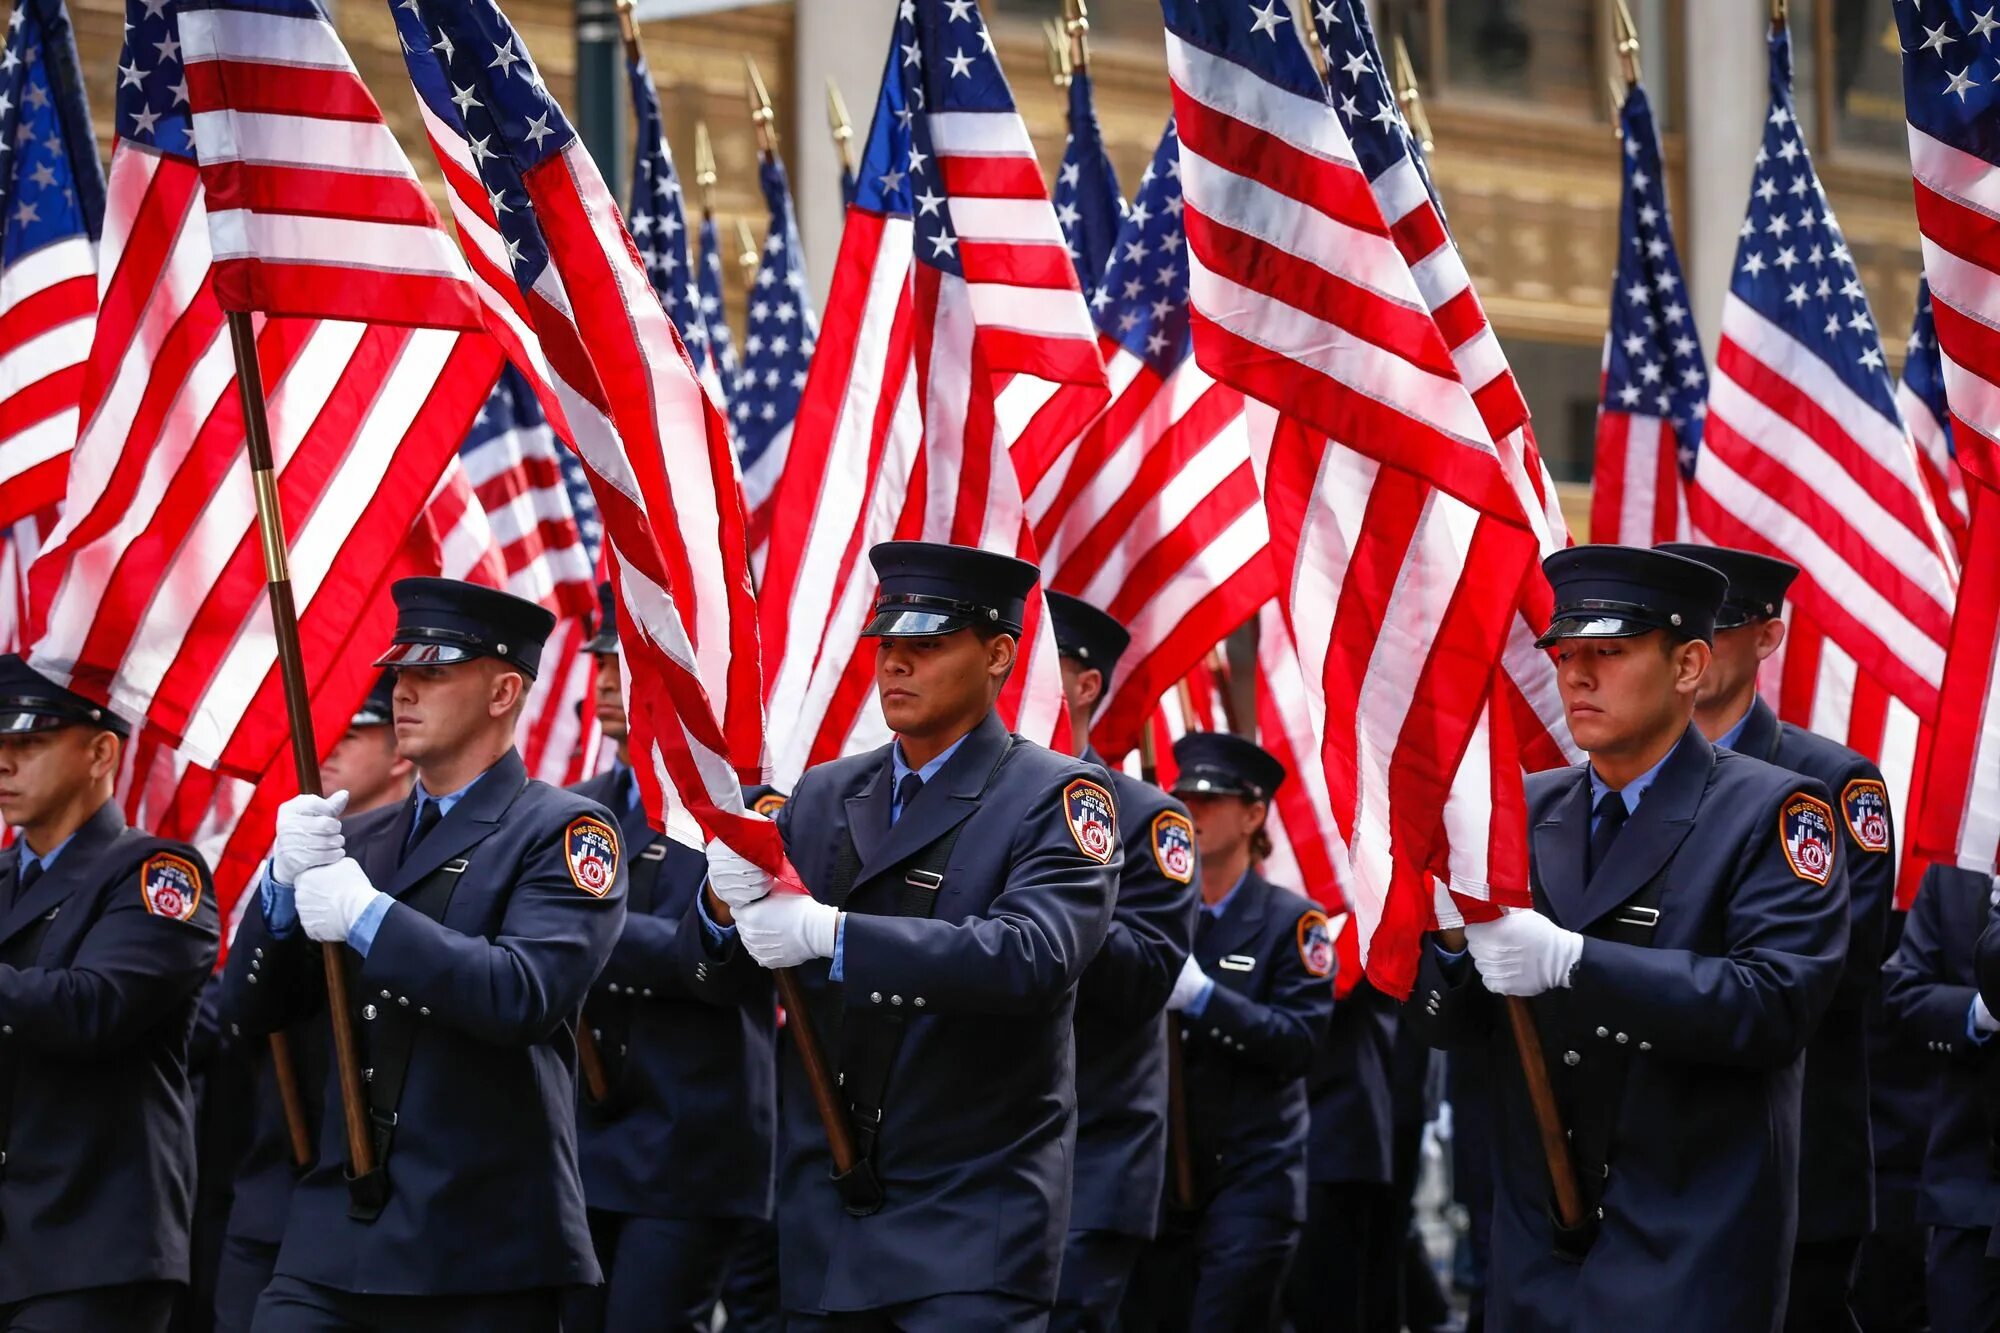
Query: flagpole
798, 1018
305, 753
839, 126
1180, 1150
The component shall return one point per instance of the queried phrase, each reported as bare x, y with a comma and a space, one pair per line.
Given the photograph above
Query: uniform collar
898, 768
1221, 906
1632, 791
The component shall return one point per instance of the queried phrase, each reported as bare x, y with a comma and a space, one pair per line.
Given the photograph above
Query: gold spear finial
1779, 13
1627, 34
1076, 29
747, 255
761, 113
704, 168
839, 124
1056, 47
1407, 94
628, 28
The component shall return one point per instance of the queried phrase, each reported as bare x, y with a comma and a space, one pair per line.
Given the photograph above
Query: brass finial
1406, 93
1076, 29
1056, 48
748, 254
704, 168
761, 113
1627, 34
839, 124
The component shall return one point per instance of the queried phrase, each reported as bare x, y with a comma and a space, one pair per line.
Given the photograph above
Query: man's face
364, 764
608, 694
1223, 824
437, 707
1733, 663
42, 770
941, 682
1620, 694
1083, 686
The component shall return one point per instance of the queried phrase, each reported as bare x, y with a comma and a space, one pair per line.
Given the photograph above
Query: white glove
1993, 894
1187, 986
1523, 953
1982, 1017
308, 836
786, 929
736, 881
332, 898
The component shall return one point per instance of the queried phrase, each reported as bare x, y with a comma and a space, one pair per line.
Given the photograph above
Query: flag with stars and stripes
1803, 454
778, 342
566, 293
1156, 518
52, 207
1951, 59
1921, 399
721, 347
952, 278
1088, 203
1655, 390
1401, 539
150, 594
516, 469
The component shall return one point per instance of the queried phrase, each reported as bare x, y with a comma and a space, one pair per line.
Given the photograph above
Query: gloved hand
1982, 1017
735, 880
331, 898
308, 836
1187, 986
1523, 953
786, 929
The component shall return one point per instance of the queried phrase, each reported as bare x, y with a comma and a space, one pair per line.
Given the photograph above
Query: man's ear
103, 754
505, 692
1691, 659
1769, 635
1090, 684
1001, 650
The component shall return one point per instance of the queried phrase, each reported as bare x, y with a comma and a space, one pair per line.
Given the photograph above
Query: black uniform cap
379, 708
1092, 636
440, 621
605, 640
1757, 583
1221, 763
932, 588
30, 701
1616, 592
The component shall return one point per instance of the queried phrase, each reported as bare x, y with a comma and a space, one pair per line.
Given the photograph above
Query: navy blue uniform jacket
484, 1193
1121, 1036
1707, 1024
689, 1129
101, 967
1245, 1057
1353, 1110
979, 1117
1928, 989
1836, 1157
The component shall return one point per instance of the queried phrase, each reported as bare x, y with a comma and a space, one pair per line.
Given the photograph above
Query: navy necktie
906, 791
428, 815
1611, 816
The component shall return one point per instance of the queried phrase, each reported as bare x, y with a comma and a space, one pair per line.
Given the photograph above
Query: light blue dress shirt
1727, 740
47, 861
1214, 912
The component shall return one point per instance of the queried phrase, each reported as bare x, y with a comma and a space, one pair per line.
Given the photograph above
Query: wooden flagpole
305, 754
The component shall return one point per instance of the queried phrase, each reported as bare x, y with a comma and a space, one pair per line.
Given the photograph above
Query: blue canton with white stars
1653, 364
1087, 200
152, 92
512, 406
1951, 71
1361, 93
1143, 300
708, 291
1923, 367
781, 331
658, 217
941, 59
1792, 263
52, 188
1256, 34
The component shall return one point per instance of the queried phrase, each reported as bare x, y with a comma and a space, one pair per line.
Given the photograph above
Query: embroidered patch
1316, 944
170, 885
1806, 825
590, 846
769, 804
1865, 802
1173, 845
1093, 819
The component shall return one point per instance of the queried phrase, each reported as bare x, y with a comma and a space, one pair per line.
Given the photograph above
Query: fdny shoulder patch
1316, 944
1865, 802
1805, 824
769, 804
170, 885
590, 847
1173, 845
1093, 819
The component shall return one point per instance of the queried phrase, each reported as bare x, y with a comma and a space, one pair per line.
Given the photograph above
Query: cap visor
1197, 785
424, 654
1592, 627
15, 722
905, 622
600, 644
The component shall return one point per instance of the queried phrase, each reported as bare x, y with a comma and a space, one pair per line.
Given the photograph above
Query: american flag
565, 291
1157, 518
535, 499
952, 276
1803, 455
151, 593
1089, 204
778, 345
720, 347
1400, 537
20, 543
52, 207
1949, 65
1655, 391
1920, 398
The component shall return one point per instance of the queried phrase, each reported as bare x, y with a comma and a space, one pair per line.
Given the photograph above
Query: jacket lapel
1760, 735
1654, 831
868, 811
1240, 925
477, 814
73, 867
946, 801
1561, 841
